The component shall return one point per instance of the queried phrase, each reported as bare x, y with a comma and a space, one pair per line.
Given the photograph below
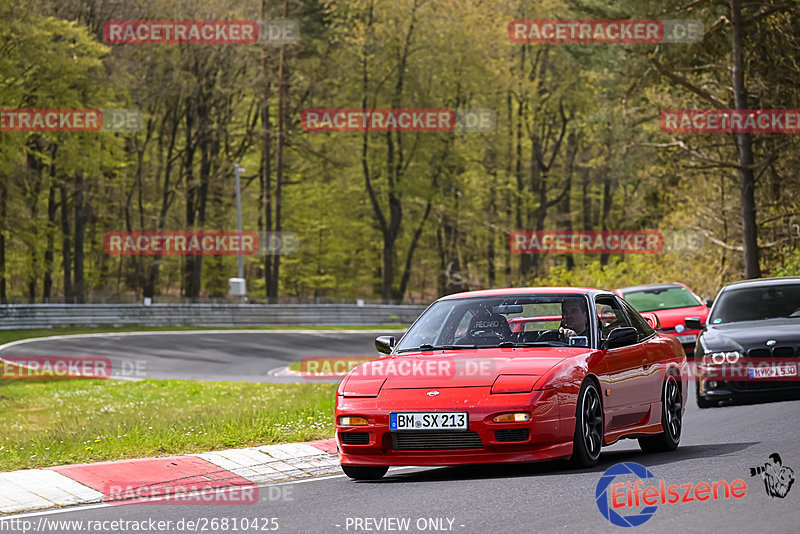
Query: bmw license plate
688, 338
428, 421
774, 371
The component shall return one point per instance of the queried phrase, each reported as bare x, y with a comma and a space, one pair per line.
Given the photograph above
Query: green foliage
577, 145
791, 265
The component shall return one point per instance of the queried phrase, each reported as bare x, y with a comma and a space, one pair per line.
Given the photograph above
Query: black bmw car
750, 346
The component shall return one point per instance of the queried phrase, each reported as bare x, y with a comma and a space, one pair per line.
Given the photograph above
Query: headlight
720, 358
514, 383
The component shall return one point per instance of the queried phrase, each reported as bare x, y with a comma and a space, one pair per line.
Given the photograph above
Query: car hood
748, 335
462, 368
673, 317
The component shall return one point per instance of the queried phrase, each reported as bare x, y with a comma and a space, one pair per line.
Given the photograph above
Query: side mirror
693, 323
652, 320
620, 337
709, 303
385, 344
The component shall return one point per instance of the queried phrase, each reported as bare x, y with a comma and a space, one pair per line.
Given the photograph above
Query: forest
577, 142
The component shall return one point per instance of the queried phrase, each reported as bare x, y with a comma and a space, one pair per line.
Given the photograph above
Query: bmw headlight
720, 358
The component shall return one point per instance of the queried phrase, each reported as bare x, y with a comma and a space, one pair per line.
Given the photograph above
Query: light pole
238, 172
236, 286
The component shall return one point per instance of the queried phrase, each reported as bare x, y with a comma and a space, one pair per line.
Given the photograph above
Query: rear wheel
671, 420
360, 472
588, 437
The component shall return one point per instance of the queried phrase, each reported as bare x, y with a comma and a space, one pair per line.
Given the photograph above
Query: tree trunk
607, 200
37, 170
566, 202
66, 245
411, 249
587, 199
744, 142
50, 252
166, 199
3, 227
80, 233
266, 156
189, 289
492, 217
283, 83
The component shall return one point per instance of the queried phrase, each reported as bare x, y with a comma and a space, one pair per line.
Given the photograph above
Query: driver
574, 319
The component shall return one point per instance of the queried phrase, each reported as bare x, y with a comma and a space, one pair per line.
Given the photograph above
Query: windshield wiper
515, 344
428, 346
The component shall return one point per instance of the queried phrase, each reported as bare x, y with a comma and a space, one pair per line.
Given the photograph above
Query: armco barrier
14, 316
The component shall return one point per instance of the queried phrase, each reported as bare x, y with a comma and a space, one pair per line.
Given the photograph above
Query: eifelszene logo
614, 499
778, 478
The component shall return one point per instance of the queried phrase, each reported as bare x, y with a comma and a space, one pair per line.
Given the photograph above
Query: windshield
519, 320
757, 303
665, 298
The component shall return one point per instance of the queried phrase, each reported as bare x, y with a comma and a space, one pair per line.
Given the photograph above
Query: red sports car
672, 304
462, 386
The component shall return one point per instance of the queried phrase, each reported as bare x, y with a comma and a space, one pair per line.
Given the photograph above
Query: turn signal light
519, 417
353, 420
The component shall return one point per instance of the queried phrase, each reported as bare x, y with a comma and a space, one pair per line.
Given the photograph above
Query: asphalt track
237, 355
718, 444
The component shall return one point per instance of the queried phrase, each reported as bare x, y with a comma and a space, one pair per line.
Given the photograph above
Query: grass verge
73, 421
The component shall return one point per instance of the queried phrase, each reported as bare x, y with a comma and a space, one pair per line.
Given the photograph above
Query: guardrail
16, 316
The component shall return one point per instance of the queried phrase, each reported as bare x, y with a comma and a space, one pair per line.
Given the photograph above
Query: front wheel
671, 420
588, 427
360, 472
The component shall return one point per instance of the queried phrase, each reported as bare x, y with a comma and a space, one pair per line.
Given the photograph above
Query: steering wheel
550, 335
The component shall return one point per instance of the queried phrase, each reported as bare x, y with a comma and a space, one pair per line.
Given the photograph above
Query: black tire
671, 419
588, 437
703, 402
361, 472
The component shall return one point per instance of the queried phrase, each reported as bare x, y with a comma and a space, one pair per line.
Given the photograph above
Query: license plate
775, 371
688, 338
428, 421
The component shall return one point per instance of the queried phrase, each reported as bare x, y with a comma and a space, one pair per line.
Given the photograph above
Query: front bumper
712, 389
549, 430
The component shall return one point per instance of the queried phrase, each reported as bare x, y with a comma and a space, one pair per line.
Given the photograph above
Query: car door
627, 370
654, 374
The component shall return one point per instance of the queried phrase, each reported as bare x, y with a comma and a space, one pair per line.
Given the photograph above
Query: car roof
634, 289
527, 291
761, 282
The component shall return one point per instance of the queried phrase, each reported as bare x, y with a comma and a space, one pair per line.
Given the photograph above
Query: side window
639, 322
610, 315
